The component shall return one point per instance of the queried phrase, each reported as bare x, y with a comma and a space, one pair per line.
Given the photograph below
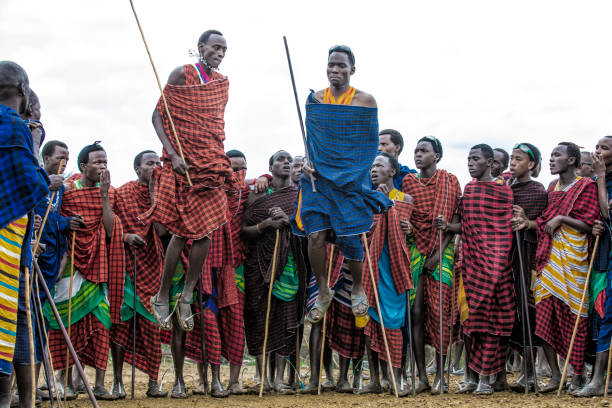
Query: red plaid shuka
197, 112
486, 210
386, 228
148, 344
342, 335
579, 202
232, 331
438, 195
97, 259
90, 339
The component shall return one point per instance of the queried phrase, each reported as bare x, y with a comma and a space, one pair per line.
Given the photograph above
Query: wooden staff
265, 343
329, 270
77, 363
176, 138
44, 221
452, 324
382, 325
134, 328
441, 306
30, 332
411, 344
608, 370
584, 293
69, 312
297, 357
299, 111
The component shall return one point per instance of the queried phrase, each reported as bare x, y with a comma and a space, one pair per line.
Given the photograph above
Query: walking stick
30, 332
265, 343
41, 339
526, 321
69, 313
77, 363
329, 270
449, 351
410, 345
134, 326
441, 306
44, 221
382, 325
298, 337
608, 370
299, 111
176, 138
584, 293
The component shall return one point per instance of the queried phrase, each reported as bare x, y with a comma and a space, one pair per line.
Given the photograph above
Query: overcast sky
467, 72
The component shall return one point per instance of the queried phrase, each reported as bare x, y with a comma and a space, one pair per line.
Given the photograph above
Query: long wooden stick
441, 306
382, 325
47, 371
134, 326
30, 332
608, 370
265, 343
77, 363
44, 221
69, 313
176, 138
584, 294
329, 270
299, 111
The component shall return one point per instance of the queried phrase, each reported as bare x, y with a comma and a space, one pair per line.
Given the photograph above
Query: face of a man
424, 155
296, 169
386, 145
478, 164
381, 170
95, 165
281, 165
604, 149
498, 166
559, 160
339, 69
213, 51
520, 163
586, 166
238, 163
148, 163
53, 161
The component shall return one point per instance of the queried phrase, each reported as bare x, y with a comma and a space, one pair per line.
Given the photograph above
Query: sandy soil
327, 400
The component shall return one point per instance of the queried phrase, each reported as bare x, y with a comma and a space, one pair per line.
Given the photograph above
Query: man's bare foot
371, 388
236, 389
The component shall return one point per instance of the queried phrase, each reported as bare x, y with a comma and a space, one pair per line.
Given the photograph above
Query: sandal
154, 392
102, 394
179, 391
357, 302
319, 309
187, 324
164, 322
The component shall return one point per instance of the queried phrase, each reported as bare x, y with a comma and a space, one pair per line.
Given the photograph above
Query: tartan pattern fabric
148, 344
438, 195
198, 114
395, 339
97, 259
90, 339
232, 331
342, 335
133, 199
431, 288
387, 229
342, 144
555, 324
23, 183
488, 353
579, 202
486, 210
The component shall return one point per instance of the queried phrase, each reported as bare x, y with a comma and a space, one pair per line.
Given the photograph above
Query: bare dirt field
326, 400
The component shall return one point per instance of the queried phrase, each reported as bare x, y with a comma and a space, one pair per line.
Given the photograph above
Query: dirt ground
326, 400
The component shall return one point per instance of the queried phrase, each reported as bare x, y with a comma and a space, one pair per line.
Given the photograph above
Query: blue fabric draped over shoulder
342, 144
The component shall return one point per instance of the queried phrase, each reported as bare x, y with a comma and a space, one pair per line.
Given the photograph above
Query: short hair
573, 151
276, 154
486, 150
235, 153
435, 144
504, 153
49, 148
345, 49
395, 136
11, 75
138, 158
83, 157
392, 161
537, 156
206, 35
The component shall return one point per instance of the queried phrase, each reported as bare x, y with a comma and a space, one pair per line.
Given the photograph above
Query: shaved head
14, 86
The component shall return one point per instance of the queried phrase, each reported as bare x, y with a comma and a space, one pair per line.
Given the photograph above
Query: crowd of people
377, 258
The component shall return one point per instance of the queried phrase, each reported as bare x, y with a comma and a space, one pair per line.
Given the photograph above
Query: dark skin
586, 165
426, 161
281, 178
144, 171
296, 169
499, 165
339, 71
386, 145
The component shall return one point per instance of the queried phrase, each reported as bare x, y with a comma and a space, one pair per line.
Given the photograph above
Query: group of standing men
381, 258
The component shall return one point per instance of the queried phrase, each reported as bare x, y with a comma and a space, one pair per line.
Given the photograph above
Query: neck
524, 178
486, 176
87, 182
567, 176
389, 184
12, 103
428, 172
143, 181
337, 91
280, 182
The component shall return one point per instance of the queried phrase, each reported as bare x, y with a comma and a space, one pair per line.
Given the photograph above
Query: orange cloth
344, 99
